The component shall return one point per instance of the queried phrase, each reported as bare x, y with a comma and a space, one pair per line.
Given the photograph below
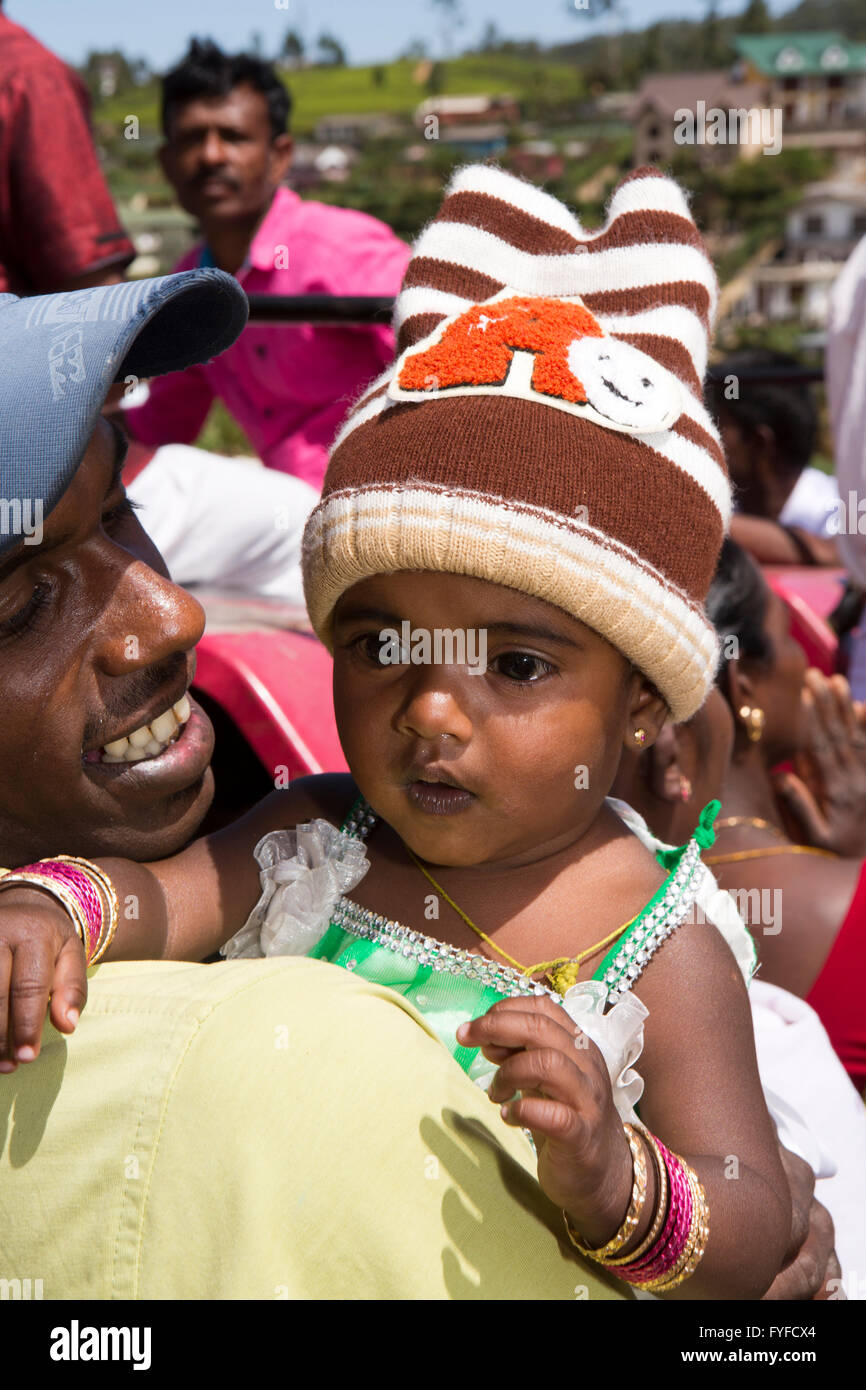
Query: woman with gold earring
801, 846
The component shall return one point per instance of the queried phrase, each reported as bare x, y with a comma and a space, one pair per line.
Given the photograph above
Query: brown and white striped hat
543, 426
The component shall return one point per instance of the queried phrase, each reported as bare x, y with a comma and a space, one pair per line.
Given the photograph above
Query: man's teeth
151, 739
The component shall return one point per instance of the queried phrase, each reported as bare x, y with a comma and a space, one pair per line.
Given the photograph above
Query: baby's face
485, 725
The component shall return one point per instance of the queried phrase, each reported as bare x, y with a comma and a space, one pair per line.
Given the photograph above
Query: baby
517, 530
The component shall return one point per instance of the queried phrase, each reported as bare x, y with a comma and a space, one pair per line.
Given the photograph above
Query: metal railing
377, 309
320, 308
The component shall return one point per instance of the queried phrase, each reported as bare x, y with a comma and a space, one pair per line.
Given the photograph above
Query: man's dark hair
205, 71
737, 606
787, 408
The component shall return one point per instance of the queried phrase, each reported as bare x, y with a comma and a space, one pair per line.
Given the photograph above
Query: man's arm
772, 544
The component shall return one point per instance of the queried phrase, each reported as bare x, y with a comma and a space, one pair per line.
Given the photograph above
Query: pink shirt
289, 386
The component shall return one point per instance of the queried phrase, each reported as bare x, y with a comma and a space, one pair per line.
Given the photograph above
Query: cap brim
60, 354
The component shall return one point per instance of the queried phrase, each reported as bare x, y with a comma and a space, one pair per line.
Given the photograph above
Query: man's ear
164, 155
281, 157
648, 711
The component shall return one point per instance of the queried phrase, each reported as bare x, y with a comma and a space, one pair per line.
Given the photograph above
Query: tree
491, 39
756, 18
107, 73
452, 20
652, 50
141, 72
613, 8
713, 47
331, 51
436, 79
293, 48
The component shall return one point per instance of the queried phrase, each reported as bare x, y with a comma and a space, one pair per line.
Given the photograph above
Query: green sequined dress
304, 910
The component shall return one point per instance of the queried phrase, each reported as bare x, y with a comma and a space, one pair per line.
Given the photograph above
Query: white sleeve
846, 395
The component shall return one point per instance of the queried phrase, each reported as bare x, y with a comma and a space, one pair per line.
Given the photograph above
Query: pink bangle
84, 893
82, 890
674, 1237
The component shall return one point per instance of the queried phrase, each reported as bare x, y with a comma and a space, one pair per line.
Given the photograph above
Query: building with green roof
818, 78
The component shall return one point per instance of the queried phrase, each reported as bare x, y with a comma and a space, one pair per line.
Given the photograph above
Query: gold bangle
661, 1204
635, 1206
57, 890
110, 907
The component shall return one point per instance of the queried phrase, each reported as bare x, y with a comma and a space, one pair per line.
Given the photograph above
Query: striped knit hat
543, 426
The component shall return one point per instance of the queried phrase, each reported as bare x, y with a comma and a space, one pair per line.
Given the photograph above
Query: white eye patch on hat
624, 386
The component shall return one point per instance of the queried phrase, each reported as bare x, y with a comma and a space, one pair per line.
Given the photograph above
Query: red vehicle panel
811, 594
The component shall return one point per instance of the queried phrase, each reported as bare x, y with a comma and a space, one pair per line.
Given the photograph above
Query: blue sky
371, 30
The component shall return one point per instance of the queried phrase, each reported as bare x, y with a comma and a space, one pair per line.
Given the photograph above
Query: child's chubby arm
702, 1098
181, 908
190, 904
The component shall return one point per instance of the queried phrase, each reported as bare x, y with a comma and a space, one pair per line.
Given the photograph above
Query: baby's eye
372, 647
521, 666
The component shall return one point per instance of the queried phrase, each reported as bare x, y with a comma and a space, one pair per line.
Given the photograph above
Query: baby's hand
41, 959
584, 1161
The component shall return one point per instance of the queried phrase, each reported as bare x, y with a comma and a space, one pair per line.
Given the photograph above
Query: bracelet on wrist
83, 890
635, 1206
677, 1238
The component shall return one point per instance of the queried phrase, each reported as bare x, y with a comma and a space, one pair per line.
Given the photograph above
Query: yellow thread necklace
527, 970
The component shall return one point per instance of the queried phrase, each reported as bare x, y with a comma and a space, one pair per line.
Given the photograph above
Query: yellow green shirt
263, 1130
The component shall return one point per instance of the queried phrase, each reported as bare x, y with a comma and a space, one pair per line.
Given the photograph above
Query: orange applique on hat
552, 350
477, 347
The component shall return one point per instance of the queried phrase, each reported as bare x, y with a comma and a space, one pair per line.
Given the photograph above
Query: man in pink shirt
227, 151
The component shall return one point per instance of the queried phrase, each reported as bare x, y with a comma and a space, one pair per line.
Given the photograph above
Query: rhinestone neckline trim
363, 922
643, 941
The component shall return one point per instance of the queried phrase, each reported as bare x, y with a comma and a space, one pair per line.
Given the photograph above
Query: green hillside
395, 88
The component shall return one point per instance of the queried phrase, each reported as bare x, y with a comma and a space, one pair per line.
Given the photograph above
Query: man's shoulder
23, 59
330, 223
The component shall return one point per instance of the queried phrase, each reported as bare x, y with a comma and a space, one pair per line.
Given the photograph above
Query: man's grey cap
60, 353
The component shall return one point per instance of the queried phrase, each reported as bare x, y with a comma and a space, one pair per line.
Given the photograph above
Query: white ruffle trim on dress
304, 873
618, 1035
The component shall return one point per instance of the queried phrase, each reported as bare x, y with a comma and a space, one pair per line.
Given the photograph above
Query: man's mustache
207, 175
140, 689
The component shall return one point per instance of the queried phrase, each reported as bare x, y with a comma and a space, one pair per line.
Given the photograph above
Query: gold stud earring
754, 722
640, 736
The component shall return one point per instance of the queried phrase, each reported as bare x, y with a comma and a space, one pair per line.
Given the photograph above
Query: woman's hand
825, 802
584, 1161
41, 960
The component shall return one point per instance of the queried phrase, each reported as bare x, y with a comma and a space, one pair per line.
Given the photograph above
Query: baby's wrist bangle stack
82, 889
675, 1243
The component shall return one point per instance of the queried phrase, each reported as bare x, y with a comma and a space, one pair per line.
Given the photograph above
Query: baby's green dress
304, 909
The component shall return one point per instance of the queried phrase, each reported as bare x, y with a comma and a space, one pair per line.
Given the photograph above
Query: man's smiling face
96, 643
